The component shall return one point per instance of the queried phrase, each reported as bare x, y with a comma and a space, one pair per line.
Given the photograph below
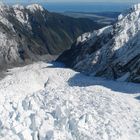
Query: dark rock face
112, 52
32, 33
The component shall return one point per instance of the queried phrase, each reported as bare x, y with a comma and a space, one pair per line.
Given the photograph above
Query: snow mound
40, 102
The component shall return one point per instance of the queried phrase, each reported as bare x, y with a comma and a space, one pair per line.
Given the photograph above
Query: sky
119, 1
130, 1
79, 5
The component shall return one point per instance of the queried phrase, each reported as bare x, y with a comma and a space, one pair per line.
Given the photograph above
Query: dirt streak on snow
41, 102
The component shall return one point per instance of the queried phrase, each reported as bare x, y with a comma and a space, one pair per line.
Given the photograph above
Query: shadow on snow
84, 81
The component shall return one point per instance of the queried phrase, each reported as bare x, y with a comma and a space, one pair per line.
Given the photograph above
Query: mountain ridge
112, 52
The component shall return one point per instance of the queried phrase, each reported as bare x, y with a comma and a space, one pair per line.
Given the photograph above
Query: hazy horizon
87, 7
70, 1
79, 5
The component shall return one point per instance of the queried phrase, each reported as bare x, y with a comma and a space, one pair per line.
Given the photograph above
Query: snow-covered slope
41, 102
112, 52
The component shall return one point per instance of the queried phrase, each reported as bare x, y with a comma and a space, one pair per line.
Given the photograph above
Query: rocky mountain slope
112, 52
30, 33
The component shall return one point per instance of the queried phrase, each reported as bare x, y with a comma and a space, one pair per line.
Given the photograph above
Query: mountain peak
18, 6
135, 10
35, 7
136, 6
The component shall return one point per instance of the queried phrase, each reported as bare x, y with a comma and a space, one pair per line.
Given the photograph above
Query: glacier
43, 102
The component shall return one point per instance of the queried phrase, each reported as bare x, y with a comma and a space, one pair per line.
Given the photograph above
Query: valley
31, 33
69, 75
